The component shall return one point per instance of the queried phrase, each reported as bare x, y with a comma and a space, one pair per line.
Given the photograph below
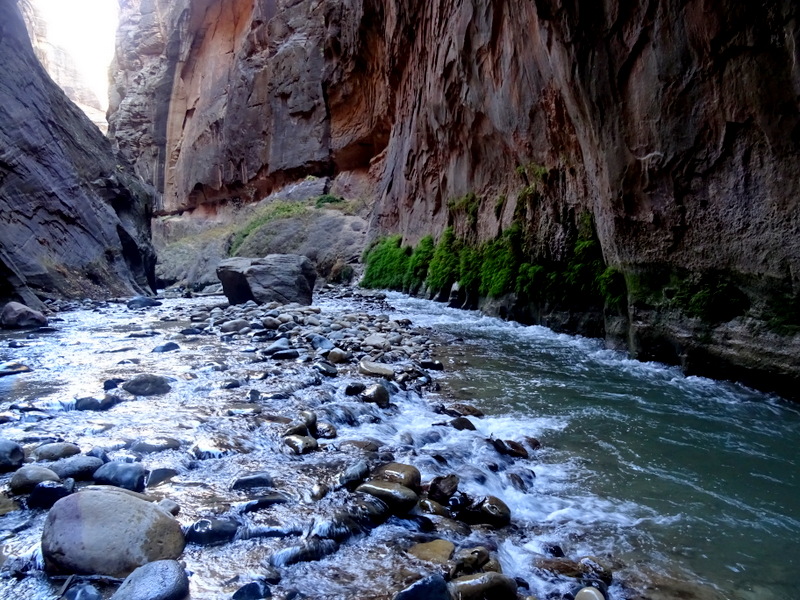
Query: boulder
284, 278
485, 586
158, 580
11, 455
26, 478
398, 498
18, 316
433, 587
129, 476
376, 394
108, 532
406, 475
147, 385
80, 467
55, 451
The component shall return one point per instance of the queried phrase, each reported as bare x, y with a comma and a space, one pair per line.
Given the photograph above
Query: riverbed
681, 486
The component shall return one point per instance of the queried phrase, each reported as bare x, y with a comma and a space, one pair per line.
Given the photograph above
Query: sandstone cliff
61, 67
73, 221
673, 125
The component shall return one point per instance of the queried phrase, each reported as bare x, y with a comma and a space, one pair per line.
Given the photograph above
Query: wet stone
13, 368
301, 444
11, 455
243, 409
432, 365
277, 346
212, 532
313, 549
91, 403
437, 551
265, 502
168, 347
483, 586
326, 368
160, 475
79, 467
354, 389
142, 302
406, 475
398, 498
489, 510
82, 591
255, 590
252, 481
45, 494
286, 355
28, 476
337, 356
159, 580
462, 424
129, 476
433, 587
147, 385
354, 474
376, 394
373, 369
319, 342
442, 488
326, 431
55, 451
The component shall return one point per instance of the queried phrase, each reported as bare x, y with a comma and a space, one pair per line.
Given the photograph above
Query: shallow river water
684, 487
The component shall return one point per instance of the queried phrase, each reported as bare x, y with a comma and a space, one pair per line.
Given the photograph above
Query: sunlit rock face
60, 65
73, 221
673, 124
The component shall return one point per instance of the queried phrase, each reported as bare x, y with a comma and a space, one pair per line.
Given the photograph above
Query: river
683, 486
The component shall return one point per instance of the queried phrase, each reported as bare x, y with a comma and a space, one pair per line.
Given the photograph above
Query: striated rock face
73, 221
672, 125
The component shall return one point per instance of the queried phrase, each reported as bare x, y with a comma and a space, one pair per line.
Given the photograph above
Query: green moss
500, 261
613, 289
270, 212
713, 297
532, 282
469, 270
468, 206
327, 199
444, 268
387, 263
418, 264
783, 314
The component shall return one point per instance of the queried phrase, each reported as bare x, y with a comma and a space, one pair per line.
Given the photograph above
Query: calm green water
676, 478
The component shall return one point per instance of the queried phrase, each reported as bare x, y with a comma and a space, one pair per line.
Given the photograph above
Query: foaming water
681, 476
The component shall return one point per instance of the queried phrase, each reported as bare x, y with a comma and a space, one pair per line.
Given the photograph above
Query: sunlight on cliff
86, 29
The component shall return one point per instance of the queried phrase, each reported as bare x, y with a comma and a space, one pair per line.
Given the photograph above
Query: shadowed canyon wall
673, 126
74, 221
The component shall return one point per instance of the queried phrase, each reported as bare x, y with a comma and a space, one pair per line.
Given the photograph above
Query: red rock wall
673, 122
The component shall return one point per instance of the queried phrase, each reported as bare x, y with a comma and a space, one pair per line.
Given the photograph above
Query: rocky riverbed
304, 452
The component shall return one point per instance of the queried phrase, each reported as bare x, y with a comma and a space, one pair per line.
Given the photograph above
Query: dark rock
406, 475
142, 302
159, 476
254, 480
354, 389
11, 455
442, 488
129, 476
462, 424
533, 443
191, 331
147, 385
553, 550
82, 591
265, 502
433, 587
212, 532
18, 316
376, 394
301, 444
158, 580
255, 590
326, 431
432, 365
489, 510
168, 347
284, 278
107, 532
319, 342
105, 402
354, 474
47, 493
585, 568
326, 368
79, 467
277, 346
398, 498
485, 586
55, 451
286, 354
462, 410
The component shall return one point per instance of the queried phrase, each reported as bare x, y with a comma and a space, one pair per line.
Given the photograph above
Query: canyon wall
74, 221
672, 126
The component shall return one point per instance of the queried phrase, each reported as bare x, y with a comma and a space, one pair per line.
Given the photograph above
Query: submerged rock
254, 480
437, 551
212, 532
301, 444
107, 532
13, 368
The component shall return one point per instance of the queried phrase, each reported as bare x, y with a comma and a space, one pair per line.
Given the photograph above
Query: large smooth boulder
283, 278
19, 316
108, 532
